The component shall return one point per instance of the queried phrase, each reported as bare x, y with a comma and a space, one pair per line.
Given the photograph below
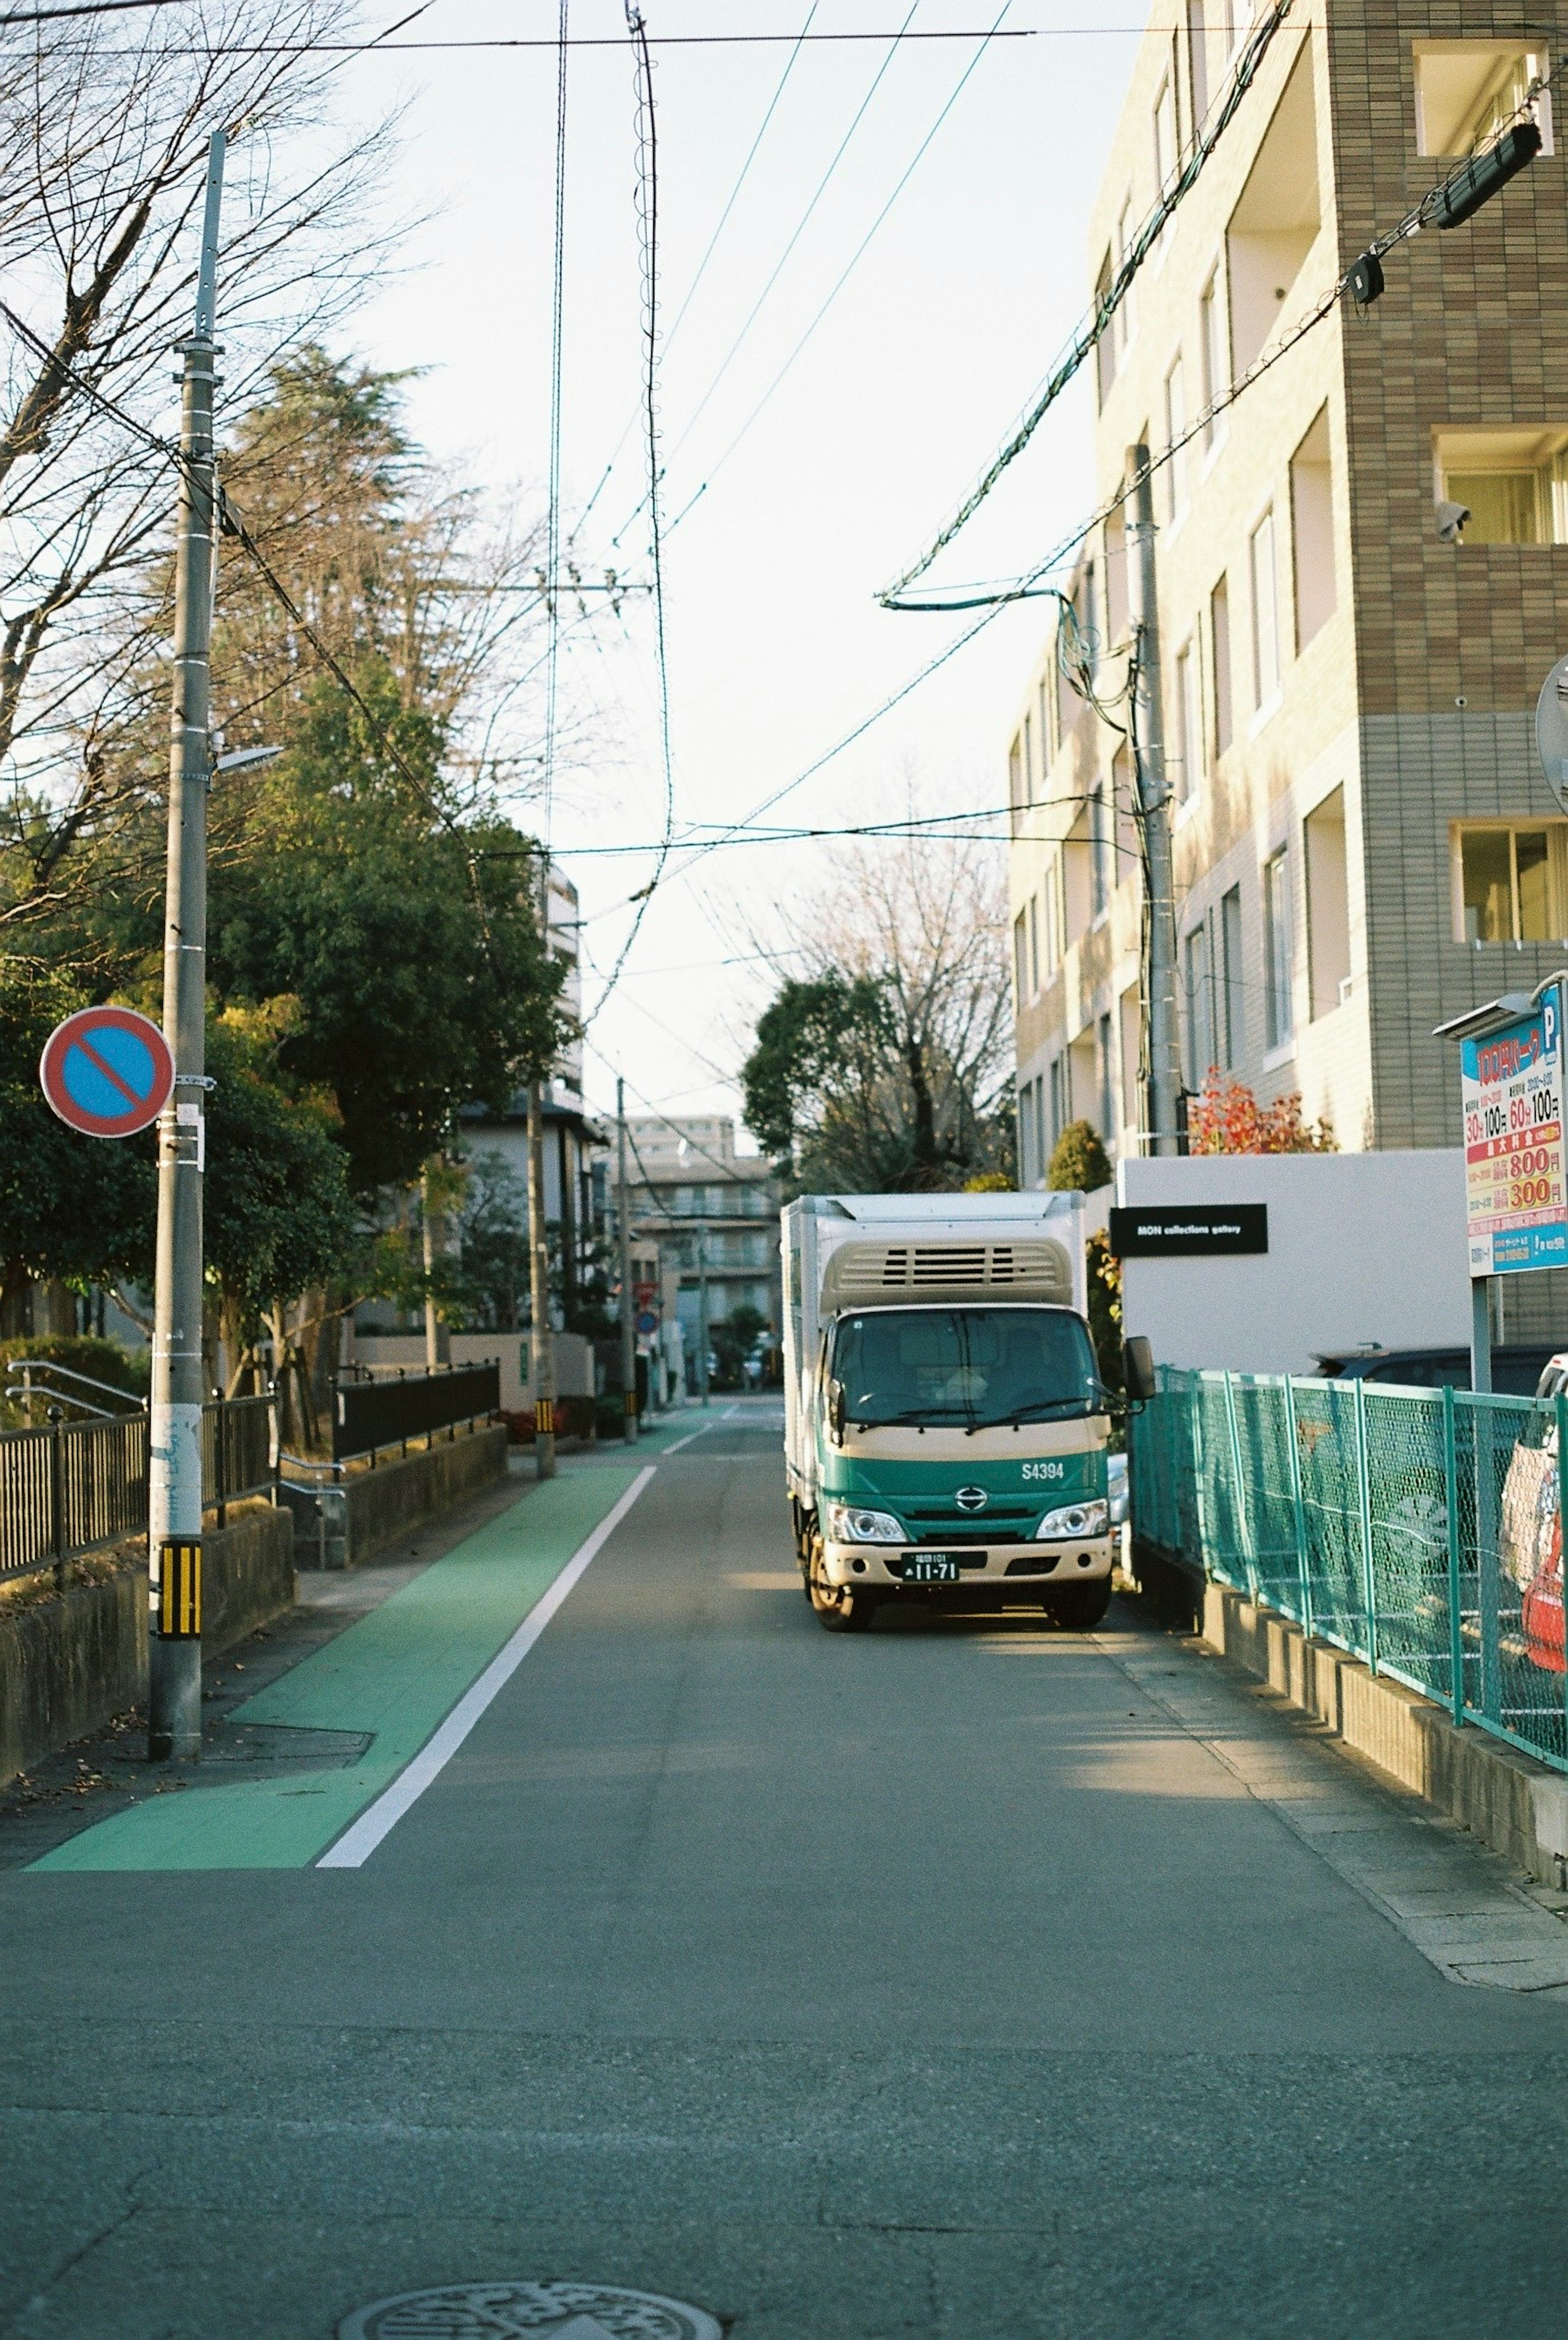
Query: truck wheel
840, 1608
1081, 1607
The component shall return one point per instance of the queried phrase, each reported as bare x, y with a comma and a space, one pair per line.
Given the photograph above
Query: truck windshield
982, 1367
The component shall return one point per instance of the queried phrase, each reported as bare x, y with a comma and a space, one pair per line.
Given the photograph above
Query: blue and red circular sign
107, 1071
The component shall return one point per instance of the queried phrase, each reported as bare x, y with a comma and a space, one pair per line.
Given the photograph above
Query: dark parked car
1518, 1369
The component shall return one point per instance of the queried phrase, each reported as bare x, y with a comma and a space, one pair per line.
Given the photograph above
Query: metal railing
71, 1487
370, 1415
1421, 1529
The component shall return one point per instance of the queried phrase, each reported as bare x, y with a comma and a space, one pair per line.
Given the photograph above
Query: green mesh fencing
1419, 1529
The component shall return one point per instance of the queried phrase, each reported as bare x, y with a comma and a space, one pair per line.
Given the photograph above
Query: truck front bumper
1022, 1571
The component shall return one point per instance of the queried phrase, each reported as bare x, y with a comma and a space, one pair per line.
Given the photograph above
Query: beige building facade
1365, 844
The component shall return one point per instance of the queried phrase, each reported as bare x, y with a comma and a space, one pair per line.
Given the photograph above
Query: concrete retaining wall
1513, 1803
69, 1662
345, 1524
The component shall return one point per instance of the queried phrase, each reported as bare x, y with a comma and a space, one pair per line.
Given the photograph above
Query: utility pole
702, 1311
628, 1337
541, 1350
540, 1347
174, 1470
1164, 1085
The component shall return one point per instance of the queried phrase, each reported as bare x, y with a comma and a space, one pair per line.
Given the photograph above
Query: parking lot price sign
1516, 1204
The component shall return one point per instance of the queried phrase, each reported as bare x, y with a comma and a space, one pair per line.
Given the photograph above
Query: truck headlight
1071, 1520
849, 1523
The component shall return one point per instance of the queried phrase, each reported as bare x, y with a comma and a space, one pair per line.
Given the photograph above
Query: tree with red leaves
1226, 1117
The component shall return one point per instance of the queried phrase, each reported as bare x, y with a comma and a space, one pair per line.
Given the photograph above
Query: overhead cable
799, 230
552, 507
848, 272
789, 65
1094, 329
647, 256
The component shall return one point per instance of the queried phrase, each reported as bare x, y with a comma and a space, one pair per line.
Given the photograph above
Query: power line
552, 511
1105, 308
712, 245
852, 265
799, 230
648, 253
988, 606
587, 41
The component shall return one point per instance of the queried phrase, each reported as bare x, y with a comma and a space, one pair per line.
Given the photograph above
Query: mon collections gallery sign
1515, 1202
1189, 1231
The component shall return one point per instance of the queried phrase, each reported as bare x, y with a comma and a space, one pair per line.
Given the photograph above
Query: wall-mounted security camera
1451, 520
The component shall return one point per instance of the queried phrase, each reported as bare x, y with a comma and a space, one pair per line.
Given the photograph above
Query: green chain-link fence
1421, 1529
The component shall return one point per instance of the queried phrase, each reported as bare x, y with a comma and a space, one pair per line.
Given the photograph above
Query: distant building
712, 1212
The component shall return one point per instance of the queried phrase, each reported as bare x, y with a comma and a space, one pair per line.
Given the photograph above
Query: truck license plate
931, 1567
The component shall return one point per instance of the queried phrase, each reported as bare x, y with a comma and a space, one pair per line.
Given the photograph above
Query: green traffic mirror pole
175, 1467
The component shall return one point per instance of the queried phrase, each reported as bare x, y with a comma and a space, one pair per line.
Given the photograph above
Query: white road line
354, 1847
728, 1415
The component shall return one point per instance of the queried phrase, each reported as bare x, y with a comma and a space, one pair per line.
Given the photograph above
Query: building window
1105, 1066
1014, 784
1219, 666
1026, 1161
1237, 21
1265, 613
1512, 482
1189, 722
1327, 904
1511, 884
1125, 324
1276, 220
1038, 1119
1033, 913
1198, 61
1029, 794
1277, 950
1051, 917
1213, 354
1048, 745
1232, 996
1099, 855
1466, 90
1166, 139
1059, 1098
1106, 346
1175, 424
1198, 983
1021, 957
1311, 531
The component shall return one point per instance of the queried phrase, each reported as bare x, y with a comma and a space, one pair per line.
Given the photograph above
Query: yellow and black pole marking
179, 1591
543, 1417
631, 1401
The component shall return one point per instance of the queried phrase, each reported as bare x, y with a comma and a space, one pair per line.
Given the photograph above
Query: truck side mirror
836, 1409
1138, 1370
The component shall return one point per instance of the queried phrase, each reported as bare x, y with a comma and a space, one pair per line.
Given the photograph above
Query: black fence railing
70, 1487
367, 1415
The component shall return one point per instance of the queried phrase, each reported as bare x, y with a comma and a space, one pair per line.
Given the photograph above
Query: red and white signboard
107, 1071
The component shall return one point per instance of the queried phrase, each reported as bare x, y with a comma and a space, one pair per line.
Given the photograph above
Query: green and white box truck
946, 1427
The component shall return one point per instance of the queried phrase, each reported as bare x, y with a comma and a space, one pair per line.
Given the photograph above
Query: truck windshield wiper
921, 1417
1030, 1412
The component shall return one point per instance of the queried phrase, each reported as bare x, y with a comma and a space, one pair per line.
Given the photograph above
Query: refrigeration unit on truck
944, 1424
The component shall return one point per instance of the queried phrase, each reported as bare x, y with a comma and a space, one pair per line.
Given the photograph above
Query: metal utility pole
1154, 808
628, 1334
702, 1311
540, 1349
174, 1476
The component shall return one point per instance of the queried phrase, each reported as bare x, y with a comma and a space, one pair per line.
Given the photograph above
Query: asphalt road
938, 1981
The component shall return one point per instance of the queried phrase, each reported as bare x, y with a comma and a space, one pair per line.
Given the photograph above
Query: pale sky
949, 321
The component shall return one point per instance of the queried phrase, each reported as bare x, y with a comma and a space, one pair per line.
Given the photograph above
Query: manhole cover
498, 2311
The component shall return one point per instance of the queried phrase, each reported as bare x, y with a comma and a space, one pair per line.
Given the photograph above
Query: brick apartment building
1365, 844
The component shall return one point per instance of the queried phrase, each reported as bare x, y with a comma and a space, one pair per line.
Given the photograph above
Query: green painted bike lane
396, 1673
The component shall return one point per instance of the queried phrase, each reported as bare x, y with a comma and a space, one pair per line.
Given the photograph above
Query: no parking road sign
107, 1071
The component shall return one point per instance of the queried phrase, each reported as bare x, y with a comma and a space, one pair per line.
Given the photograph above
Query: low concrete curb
70, 1662
346, 1523
1505, 1797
